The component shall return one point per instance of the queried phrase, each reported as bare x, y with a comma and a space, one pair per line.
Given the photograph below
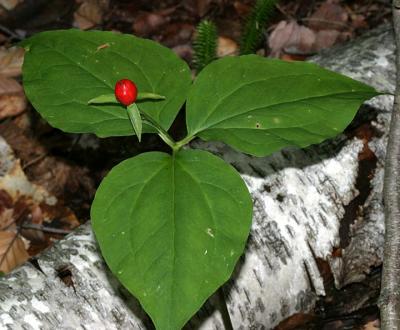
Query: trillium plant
171, 226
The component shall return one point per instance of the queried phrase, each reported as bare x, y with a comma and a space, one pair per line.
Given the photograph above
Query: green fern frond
253, 30
205, 44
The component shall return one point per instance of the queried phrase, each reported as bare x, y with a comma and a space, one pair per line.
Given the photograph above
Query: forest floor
69, 166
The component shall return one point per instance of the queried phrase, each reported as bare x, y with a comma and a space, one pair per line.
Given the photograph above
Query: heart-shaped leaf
171, 228
260, 105
63, 70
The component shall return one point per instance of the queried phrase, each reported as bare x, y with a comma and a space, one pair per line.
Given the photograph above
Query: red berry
125, 91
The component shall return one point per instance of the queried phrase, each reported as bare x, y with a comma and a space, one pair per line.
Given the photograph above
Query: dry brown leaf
9, 4
298, 320
372, 325
242, 9
227, 47
147, 23
12, 97
359, 21
90, 13
325, 39
12, 251
16, 184
203, 6
292, 38
184, 51
6, 201
296, 39
293, 57
329, 16
178, 33
6, 218
11, 60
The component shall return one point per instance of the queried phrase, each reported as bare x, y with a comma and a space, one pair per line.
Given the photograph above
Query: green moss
205, 44
253, 30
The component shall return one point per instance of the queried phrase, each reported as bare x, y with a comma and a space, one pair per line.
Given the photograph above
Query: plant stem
175, 146
184, 141
389, 301
161, 132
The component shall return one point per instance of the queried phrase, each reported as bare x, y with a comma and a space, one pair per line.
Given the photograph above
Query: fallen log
310, 205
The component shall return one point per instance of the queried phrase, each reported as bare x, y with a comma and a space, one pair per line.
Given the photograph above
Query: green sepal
105, 98
149, 96
136, 119
110, 98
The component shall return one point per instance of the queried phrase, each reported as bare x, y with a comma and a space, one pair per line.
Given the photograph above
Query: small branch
184, 141
34, 161
46, 229
325, 21
390, 290
10, 33
162, 133
226, 318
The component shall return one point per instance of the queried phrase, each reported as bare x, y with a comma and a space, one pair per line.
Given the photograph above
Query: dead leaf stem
390, 289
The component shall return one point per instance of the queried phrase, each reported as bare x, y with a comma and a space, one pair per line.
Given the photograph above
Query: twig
389, 301
34, 161
324, 21
46, 229
383, 2
226, 318
10, 33
283, 12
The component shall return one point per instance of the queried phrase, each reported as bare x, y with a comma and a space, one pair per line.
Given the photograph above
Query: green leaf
136, 119
171, 228
260, 105
63, 70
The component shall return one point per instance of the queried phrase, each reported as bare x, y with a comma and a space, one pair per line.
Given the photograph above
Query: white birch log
300, 198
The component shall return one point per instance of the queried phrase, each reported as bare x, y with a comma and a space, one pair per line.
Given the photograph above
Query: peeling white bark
299, 197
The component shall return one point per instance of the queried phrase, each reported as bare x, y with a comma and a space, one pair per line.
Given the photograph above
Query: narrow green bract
63, 70
110, 98
172, 228
136, 120
259, 105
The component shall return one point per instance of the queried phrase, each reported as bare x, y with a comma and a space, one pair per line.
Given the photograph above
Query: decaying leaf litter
55, 173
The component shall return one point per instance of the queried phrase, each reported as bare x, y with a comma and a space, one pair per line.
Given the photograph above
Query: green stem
184, 141
161, 132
